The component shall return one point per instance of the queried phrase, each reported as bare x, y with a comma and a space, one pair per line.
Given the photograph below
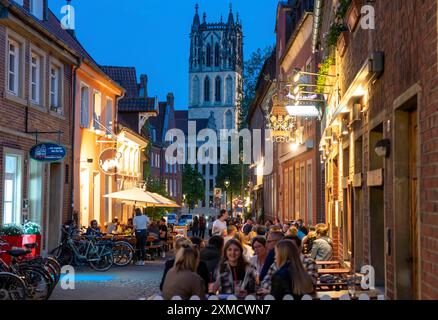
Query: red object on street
19, 242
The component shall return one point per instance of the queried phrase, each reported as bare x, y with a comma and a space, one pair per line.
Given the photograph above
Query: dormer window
20, 2
36, 7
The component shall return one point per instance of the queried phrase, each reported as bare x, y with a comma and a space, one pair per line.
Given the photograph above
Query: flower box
342, 43
19, 242
353, 14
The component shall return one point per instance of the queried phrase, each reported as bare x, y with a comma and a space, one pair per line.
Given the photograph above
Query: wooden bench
327, 264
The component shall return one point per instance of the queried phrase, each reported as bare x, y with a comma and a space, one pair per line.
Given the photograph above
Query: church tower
215, 77
216, 63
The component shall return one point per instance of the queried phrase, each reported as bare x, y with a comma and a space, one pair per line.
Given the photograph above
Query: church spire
196, 22
231, 16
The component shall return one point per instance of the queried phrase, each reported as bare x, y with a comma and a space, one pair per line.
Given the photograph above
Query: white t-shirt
140, 222
219, 227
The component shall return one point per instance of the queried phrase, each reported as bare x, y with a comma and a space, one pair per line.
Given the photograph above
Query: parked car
171, 219
185, 220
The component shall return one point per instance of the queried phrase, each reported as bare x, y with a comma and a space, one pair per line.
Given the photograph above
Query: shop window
12, 197
309, 195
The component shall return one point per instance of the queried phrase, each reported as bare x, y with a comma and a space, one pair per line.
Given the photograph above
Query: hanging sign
109, 161
48, 152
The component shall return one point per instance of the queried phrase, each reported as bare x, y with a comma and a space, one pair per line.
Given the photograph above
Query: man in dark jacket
273, 239
211, 255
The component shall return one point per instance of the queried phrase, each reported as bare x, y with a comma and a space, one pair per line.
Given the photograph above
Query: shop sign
48, 152
109, 161
217, 192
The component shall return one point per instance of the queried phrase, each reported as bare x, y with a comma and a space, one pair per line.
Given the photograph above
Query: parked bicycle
12, 287
77, 249
38, 281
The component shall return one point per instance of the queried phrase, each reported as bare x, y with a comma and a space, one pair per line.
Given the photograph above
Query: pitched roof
158, 122
137, 104
126, 77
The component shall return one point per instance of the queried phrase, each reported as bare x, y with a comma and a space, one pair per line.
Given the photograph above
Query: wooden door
413, 143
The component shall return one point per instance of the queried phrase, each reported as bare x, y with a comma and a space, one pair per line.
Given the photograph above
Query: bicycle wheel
37, 283
103, 263
54, 268
65, 256
123, 253
12, 287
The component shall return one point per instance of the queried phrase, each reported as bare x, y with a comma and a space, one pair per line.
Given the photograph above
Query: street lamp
227, 184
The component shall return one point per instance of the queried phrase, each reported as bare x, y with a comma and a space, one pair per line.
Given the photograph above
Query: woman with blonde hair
322, 248
291, 277
248, 252
182, 279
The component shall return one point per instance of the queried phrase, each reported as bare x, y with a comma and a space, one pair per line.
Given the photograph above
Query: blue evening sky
153, 35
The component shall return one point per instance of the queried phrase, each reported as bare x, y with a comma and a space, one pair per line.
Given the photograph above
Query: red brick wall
12, 124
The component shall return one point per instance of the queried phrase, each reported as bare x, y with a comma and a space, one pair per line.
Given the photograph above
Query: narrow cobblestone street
119, 283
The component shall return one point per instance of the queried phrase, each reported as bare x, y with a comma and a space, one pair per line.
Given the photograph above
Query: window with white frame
36, 8
97, 109
13, 67
12, 188
85, 107
35, 78
109, 115
55, 88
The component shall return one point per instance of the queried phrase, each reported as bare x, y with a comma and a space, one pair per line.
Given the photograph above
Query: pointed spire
230, 15
222, 18
196, 22
204, 18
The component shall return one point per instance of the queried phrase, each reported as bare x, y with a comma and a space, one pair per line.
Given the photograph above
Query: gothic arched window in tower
218, 93
216, 55
207, 89
195, 91
229, 85
208, 53
229, 119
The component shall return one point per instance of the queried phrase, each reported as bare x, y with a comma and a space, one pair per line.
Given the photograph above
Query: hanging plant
31, 228
324, 69
11, 230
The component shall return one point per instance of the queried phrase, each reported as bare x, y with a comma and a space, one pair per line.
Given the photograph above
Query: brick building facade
380, 143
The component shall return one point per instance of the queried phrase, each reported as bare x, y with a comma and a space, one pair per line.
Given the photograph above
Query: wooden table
328, 263
340, 271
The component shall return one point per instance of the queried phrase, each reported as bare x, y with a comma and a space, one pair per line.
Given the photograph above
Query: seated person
93, 229
163, 230
154, 231
129, 227
114, 227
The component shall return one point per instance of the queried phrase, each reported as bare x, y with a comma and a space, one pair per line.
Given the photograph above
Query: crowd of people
259, 259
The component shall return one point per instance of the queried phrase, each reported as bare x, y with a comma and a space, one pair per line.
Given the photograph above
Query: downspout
73, 107
317, 12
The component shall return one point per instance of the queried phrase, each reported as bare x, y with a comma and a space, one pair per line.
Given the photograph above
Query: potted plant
32, 234
12, 234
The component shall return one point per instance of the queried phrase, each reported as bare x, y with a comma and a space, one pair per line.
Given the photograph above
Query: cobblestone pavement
118, 283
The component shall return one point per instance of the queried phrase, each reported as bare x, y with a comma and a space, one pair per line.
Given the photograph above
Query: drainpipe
317, 13
73, 107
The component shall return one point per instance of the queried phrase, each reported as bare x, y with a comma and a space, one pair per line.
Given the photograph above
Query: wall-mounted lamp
344, 128
383, 148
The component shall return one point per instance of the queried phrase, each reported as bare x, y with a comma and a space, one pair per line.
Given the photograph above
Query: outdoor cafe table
325, 264
340, 271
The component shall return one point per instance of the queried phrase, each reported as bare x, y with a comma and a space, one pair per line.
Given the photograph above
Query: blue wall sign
48, 152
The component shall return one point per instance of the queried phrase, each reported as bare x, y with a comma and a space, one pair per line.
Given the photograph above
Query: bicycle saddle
18, 252
31, 245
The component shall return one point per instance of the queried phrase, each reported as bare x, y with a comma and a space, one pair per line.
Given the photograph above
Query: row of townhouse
53, 93
367, 164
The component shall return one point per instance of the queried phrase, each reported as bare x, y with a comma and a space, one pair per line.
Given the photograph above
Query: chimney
170, 99
144, 85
